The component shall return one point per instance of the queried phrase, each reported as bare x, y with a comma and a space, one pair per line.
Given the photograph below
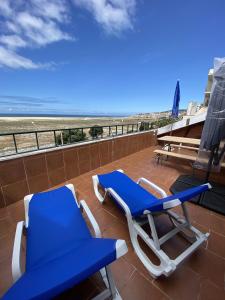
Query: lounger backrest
55, 223
188, 193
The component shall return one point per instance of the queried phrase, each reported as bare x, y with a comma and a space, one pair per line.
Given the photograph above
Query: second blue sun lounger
140, 207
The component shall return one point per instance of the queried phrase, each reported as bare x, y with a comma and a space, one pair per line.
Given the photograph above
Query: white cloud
114, 15
5, 7
30, 24
40, 31
11, 59
12, 41
37, 23
56, 10
12, 27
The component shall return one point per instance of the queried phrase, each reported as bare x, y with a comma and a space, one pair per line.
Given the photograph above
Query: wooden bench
191, 158
174, 154
184, 147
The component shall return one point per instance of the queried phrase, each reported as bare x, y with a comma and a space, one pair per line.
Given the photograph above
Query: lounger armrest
16, 257
95, 185
91, 218
153, 186
120, 202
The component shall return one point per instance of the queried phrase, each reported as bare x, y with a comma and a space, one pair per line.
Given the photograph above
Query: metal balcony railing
29, 141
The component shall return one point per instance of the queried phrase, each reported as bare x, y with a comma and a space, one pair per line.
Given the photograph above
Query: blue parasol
176, 101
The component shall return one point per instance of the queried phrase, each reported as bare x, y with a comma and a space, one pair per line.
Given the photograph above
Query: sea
66, 116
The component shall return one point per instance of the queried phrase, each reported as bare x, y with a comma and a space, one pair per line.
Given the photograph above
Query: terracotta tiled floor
200, 277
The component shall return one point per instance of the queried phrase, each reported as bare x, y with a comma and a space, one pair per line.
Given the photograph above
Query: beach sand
18, 124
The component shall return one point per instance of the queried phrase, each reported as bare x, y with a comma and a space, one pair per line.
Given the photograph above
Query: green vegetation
156, 124
77, 135
163, 122
145, 126
95, 131
70, 136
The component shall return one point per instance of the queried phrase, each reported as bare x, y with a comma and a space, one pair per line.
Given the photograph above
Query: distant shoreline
52, 119
60, 116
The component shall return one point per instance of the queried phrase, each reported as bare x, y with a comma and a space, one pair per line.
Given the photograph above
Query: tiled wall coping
33, 153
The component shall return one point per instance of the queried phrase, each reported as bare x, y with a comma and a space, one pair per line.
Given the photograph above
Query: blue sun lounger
140, 207
60, 250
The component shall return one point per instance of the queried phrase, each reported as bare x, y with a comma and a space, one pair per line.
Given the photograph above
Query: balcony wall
192, 131
31, 173
184, 126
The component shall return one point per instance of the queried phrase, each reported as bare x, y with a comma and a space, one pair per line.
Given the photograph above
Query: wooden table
179, 140
194, 145
171, 142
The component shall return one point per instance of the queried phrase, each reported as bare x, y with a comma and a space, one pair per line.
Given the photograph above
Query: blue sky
106, 56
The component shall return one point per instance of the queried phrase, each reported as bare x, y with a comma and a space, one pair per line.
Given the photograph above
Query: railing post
116, 129
122, 129
14, 140
55, 138
70, 136
61, 136
36, 136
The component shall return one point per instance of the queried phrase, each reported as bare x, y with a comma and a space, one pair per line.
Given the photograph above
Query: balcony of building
201, 276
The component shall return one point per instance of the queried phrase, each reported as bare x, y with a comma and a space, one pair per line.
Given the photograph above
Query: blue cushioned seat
60, 249
137, 198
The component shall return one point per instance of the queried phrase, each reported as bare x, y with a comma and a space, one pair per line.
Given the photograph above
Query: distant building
208, 88
193, 108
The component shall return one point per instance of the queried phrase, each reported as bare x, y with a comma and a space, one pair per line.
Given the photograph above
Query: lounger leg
104, 277
185, 212
183, 222
112, 286
153, 231
179, 221
111, 290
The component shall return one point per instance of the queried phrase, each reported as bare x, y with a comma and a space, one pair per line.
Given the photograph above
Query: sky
106, 56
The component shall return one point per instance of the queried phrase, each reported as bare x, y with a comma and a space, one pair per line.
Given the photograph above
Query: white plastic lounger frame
121, 248
181, 225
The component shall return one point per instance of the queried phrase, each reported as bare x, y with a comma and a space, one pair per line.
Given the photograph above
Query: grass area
16, 124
